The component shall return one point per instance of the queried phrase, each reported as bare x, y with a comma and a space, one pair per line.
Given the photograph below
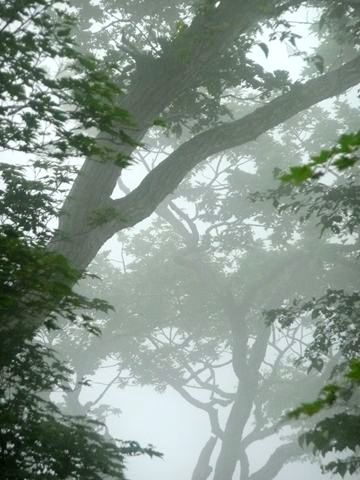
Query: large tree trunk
157, 83
79, 241
229, 453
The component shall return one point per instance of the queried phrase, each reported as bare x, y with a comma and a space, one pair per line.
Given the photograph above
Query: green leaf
298, 175
345, 162
103, 215
354, 371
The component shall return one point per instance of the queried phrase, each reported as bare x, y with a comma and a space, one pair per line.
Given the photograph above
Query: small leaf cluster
335, 207
340, 431
342, 156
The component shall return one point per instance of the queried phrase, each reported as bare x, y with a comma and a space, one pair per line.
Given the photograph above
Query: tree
41, 115
181, 73
51, 98
164, 69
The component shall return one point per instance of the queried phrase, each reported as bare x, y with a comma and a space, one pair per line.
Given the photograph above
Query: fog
210, 256
200, 357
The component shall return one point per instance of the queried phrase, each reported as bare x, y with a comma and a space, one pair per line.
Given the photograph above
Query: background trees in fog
213, 260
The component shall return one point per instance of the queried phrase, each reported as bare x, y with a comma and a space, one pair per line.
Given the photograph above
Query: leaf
298, 175
322, 157
341, 469
103, 215
354, 372
180, 26
264, 48
345, 162
158, 122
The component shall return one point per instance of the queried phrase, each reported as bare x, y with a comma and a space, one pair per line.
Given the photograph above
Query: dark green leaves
49, 114
42, 109
298, 175
343, 155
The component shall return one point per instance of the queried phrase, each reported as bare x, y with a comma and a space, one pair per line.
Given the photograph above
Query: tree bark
80, 242
229, 452
157, 83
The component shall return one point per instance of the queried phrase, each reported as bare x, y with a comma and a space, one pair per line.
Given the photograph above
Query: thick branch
164, 179
156, 83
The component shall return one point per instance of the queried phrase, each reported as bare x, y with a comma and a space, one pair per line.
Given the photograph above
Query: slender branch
256, 435
244, 464
106, 389
277, 460
202, 469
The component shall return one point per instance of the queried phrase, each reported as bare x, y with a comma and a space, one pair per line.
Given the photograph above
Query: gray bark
154, 87
203, 470
80, 242
282, 455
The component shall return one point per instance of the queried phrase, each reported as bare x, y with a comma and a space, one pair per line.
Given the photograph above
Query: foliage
48, 115
35, 282
51, 94
339, 432
37, 440
205, 276
342, 156
336, 316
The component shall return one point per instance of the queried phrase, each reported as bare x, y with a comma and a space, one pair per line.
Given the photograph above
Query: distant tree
205, 278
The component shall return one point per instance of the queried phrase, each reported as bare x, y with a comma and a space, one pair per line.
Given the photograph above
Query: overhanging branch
164, 179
